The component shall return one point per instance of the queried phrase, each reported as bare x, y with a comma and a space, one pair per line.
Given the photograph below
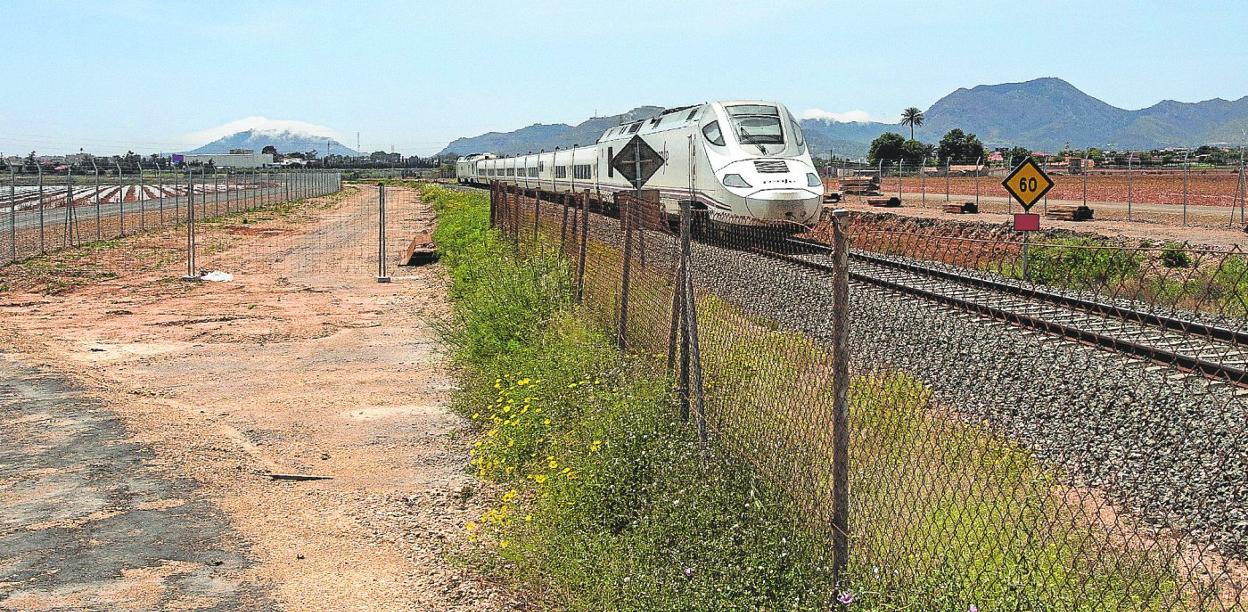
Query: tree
270, 149
959, 145
1018, 154
915, 152
889, 145
913, 117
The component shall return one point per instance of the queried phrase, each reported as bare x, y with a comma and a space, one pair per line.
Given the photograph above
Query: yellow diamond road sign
1027, 183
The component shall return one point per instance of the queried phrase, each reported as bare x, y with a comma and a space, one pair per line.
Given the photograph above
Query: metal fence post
121, 198
625, 215
142, 198
39, 167
563, 225
1083, 169
1186, 168
692, 351
580, 266
99, 234
381, 232
947, 160
12, 213
840, 393
190, 227
1129, 194
70, 221
923, 181
977, 160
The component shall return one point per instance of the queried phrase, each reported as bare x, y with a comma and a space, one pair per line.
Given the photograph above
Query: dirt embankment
306, 367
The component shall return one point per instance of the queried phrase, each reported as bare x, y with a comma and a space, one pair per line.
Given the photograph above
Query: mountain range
285, 141
1041, 114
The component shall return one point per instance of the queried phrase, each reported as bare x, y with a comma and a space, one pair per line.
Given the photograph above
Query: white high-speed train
743, 161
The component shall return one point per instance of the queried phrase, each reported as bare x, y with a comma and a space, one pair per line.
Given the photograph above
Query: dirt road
301, 364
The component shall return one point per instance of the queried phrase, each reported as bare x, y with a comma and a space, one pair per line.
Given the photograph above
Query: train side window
541, 166
797, 132
636, 126
712, 133
610, 156
693, 113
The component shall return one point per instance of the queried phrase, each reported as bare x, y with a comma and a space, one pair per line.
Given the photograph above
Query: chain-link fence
1181, 192
961, 419
62, 231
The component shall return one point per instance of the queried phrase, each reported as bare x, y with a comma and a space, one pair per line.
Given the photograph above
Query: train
738, 162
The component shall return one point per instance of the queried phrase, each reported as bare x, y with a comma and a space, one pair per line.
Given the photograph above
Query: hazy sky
163, 76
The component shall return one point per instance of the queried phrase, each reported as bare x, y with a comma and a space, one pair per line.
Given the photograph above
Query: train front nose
796, 205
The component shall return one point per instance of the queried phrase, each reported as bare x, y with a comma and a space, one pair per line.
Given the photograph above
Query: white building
232, 160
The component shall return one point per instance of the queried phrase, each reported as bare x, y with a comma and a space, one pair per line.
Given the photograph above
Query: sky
167, 76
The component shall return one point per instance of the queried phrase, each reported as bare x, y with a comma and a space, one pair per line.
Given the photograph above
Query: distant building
232, 160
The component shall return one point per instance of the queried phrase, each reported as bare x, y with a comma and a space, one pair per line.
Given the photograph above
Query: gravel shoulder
311, 367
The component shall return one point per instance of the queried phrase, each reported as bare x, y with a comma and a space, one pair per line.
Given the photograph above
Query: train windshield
756, 124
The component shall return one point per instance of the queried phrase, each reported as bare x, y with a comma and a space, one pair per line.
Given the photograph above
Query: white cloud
847, 116
261, 124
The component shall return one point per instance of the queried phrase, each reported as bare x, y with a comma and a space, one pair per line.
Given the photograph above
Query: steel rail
1091, 306
1233, 375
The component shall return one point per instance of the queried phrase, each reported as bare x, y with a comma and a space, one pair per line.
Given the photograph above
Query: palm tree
912, 117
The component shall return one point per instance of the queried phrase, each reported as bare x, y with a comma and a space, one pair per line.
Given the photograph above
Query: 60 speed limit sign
1027, 183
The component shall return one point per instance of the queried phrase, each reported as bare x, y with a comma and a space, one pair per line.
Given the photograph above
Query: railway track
1215, 352
1218, 353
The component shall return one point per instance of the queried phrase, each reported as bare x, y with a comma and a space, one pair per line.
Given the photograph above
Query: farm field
26, 197
1203, 188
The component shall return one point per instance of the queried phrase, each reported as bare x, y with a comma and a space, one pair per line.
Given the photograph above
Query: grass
612, 503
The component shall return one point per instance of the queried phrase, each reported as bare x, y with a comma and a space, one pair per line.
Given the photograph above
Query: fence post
493, 203
977, 160
12, 213
39, 167
517, 202
1083, 170
580, 266
563, 226
1129, 194
1186, 167
99, 232
142, 205
121, 198
381, 234
840, 393
190, 226
626, 217
691, 360
70, 220
537, 213
947, 160
923, 181
899, 179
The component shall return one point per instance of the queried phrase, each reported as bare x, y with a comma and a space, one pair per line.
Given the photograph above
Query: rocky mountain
286, 141
544, 137
1048, 113
1045, 113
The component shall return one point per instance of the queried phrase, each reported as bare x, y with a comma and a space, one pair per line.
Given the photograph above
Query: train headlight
735, 180
812, 179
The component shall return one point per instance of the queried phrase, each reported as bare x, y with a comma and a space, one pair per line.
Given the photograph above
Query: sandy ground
312, 368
